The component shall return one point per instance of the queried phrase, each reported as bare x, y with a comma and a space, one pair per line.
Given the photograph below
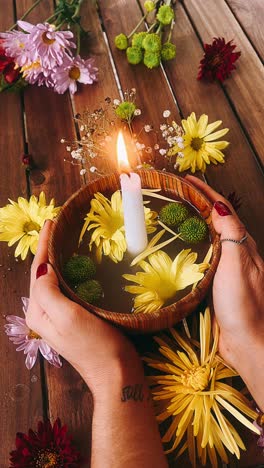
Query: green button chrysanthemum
165, 14
173, 214
121, 42
90, 291
151, 59
168, 51
149, 5
152, 43
138, 38
125, 110
193, 230
134, 55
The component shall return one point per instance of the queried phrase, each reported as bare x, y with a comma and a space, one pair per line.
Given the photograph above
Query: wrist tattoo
134, 392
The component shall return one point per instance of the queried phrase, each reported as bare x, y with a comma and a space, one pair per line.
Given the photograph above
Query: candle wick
125, 170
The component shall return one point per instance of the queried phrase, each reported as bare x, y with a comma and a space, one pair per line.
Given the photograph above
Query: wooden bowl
66, 230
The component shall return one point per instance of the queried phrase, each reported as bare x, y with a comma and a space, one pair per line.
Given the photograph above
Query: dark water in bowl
109, 274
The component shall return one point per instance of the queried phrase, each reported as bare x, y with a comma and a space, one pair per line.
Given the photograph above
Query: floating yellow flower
106, 219
200, 147
22, 220
193, 394
162, 278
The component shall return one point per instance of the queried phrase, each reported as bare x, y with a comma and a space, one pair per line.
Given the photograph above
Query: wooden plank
93, 97
49, 118
250, 16
151, 86
246, 85
20, 390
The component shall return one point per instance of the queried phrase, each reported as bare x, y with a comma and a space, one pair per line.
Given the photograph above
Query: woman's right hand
237, 291
94, 347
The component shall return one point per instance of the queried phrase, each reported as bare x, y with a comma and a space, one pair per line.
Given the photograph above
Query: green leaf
12, 87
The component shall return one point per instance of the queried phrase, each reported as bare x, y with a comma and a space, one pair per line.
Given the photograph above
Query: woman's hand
237, 291
108, 363
90, 344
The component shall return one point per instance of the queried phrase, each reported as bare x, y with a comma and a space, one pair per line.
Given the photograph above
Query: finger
226, 223
46, 293
42, 251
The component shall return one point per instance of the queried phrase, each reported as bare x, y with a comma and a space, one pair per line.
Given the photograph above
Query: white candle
134, 218
133, 208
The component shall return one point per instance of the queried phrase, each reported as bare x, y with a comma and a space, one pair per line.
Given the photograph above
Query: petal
216, 135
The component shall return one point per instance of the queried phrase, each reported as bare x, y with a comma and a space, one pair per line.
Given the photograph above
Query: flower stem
77, 11
78, 36
152, 26
53, 16
26, 13
137, 26
171, 29
59, 25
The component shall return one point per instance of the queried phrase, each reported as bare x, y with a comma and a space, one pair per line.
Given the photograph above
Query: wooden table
36, 120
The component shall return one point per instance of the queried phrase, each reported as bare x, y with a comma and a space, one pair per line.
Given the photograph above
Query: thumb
226, 222
47, 294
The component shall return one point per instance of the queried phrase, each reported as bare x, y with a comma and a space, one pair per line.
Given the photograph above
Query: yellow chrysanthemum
200, 147
22, 220
162, 278
193, 394
106, 220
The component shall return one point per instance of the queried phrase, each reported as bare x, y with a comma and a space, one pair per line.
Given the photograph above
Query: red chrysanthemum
7, 66
49, 447
218, 60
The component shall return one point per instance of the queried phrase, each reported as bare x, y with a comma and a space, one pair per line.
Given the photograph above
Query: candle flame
122, 154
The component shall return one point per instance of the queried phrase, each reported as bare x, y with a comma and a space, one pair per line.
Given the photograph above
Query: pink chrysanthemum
50, 446
16, 46
34, 73
73, 70
218, 60
28, 341
47, 45
259, 423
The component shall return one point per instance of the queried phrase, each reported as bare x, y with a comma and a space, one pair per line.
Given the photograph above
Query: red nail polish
222, 209
42, 270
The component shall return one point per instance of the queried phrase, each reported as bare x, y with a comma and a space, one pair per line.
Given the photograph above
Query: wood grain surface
250, 16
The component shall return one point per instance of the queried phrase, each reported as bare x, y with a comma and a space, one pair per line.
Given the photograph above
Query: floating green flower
151, 59
121, 42
152, 43
165, 14
134, 55
173, 214
168, 51
90, 291
79, 269
193, 230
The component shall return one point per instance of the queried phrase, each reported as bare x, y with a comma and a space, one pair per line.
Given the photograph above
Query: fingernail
222, 209
42, 270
